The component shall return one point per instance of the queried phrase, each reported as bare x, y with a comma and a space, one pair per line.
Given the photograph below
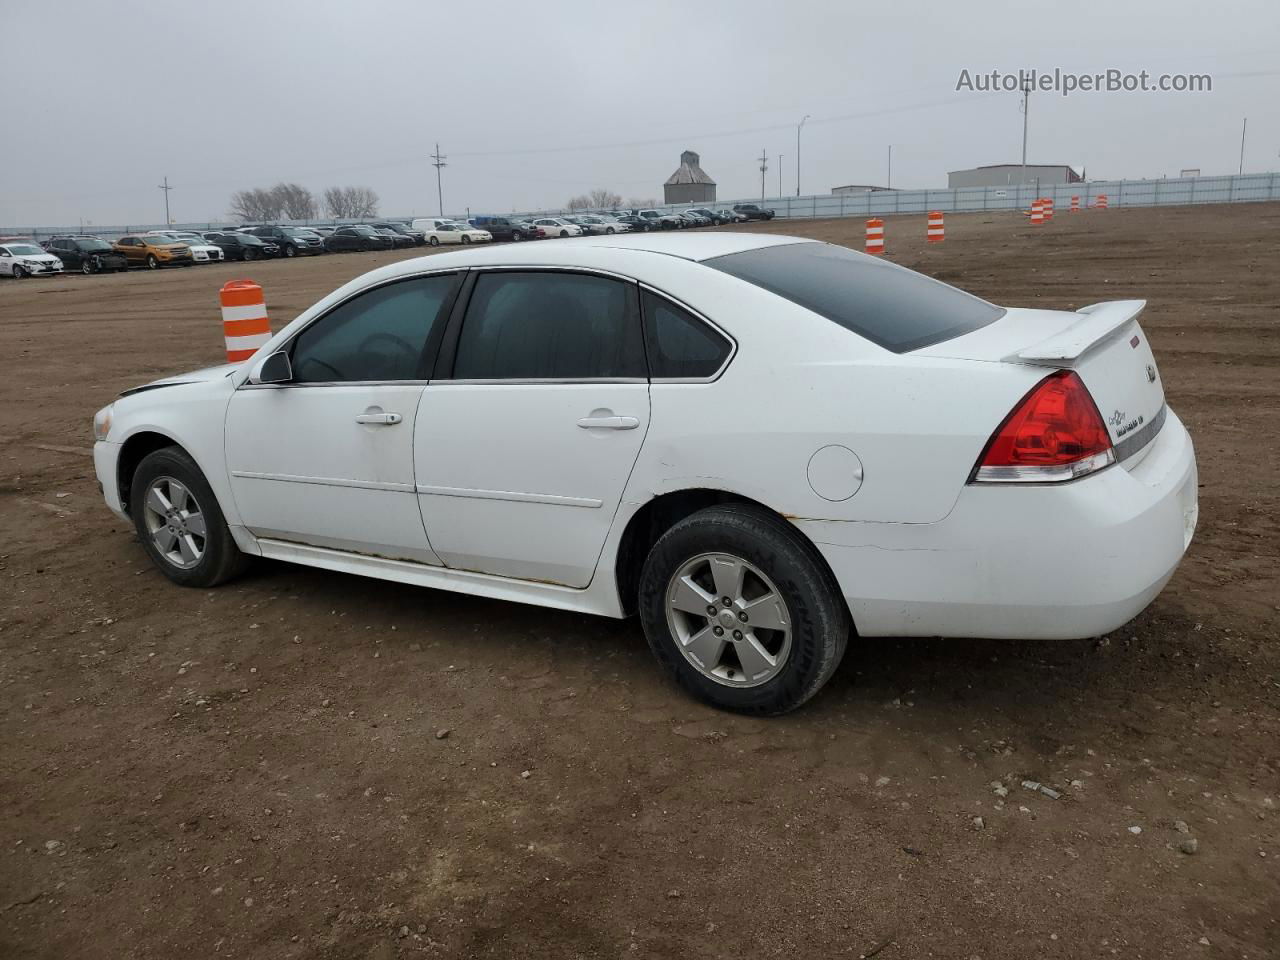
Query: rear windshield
891, 306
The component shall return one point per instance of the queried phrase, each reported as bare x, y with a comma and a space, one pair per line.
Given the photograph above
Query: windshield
23, 249
94, 244
891, 306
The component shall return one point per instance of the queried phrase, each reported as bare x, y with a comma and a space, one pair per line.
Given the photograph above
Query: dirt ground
259, 770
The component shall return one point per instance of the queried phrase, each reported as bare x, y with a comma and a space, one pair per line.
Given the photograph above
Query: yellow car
154, 252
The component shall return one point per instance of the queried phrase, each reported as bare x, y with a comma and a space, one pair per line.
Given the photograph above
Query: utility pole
799, 127
438, 164
166, 188
888, 177
1026, 109
779, 174
1242, 133
764, 165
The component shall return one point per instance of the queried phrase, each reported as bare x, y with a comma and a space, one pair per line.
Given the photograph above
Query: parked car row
21, 257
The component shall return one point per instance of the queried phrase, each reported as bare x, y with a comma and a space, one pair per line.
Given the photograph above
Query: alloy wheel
729, 620
175, 522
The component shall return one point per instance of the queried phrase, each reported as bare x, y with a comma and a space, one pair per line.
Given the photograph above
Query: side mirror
273, 368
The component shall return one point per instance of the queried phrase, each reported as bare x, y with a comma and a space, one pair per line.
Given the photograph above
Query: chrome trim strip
1135, 441
535, 380
326, 481
514, 496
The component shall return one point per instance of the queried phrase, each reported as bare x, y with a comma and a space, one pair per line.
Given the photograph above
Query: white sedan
438, 230
556, 227
20, 260
765, 446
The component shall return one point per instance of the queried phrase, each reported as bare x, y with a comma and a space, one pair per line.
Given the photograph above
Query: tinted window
679, 344
562, 326
892, 306
379, 335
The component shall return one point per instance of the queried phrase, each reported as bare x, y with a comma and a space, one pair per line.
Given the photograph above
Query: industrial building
857, 188
690, 183
1011, 174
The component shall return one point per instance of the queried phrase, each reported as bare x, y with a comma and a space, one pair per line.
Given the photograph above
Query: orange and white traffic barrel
1047, 204
1037, 213
244, 319
1101, 202
936, 231
875, 236
1075, 204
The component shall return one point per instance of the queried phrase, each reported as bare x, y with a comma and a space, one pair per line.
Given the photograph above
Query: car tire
564, 234
610, 230
86, 266
290, 250
18, 272
171, 538
248, 254
434, 241
517, 236
152, 262
785, 580
466, 239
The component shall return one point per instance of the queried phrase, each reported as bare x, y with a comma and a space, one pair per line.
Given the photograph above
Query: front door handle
381, 419
609, 423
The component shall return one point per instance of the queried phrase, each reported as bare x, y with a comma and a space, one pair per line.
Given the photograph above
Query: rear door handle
609, 423
381, 419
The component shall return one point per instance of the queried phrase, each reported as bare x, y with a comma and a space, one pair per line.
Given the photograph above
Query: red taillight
1055, 433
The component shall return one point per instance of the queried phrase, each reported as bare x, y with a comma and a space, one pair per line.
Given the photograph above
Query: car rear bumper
1036, 561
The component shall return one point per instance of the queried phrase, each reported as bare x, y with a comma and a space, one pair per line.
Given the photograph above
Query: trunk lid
1103, 343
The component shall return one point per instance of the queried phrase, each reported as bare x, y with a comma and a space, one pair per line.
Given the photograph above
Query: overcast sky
533, 102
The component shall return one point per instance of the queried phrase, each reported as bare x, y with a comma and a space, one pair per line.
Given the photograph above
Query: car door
327, 458
6, 261
530, 428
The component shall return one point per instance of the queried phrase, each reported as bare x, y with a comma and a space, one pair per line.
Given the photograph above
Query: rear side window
550, 326
680, 346
891, 306
376, 336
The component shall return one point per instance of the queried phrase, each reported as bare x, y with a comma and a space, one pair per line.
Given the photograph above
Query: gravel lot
302, 764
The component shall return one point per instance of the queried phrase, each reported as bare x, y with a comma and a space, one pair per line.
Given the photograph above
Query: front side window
377, 336
550, 326
680, 345
891, 306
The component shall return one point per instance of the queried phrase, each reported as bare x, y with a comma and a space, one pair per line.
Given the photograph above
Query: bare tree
604, 199
639, 204
350, 203
255, 204
597, 199
295, 201
364, 202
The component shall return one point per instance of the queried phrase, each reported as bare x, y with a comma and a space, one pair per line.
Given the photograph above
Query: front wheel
86, 266
465, 238
18, 272
180, 523
152, 262
289, 251
248, 254
740, 609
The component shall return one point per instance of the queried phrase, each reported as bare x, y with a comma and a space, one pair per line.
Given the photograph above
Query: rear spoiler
1097, 322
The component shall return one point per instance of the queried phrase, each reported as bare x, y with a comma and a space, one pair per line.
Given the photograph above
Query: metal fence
1251, 187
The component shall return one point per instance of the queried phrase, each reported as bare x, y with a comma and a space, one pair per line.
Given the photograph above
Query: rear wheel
152, 262
86, 266
741, 611
434, 241
564, 233
180, 523
517, 236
